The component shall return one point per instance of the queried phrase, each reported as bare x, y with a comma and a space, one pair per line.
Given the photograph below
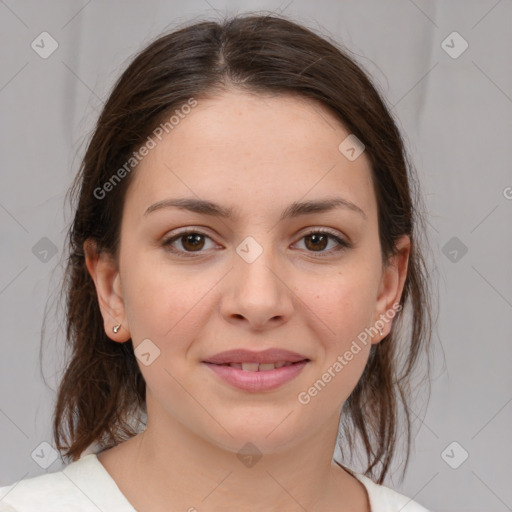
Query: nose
257, 293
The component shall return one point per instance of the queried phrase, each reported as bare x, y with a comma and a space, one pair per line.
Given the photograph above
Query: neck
169, 464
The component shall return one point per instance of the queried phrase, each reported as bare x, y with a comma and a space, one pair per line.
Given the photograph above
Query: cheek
161, 301
346, 307
347, 304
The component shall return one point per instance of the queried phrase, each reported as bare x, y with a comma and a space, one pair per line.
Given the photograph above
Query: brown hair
102, 389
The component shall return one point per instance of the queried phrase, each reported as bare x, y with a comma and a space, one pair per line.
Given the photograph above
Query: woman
244, 244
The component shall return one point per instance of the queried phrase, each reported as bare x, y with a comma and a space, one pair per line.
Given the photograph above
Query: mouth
257, 377
256, 371
260, 367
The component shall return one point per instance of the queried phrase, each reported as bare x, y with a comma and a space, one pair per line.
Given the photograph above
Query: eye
190, 241
317, 241
193, 241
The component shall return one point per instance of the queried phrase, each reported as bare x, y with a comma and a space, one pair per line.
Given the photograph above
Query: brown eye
192, 242
317, 241
187, 242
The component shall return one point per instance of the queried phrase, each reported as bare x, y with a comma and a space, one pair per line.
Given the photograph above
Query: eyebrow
295, 209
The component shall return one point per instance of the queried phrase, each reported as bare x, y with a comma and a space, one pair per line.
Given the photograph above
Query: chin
265, 436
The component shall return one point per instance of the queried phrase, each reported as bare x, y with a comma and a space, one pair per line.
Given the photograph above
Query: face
196, 284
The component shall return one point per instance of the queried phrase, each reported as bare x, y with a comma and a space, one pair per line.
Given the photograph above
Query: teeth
255, 367
250, 367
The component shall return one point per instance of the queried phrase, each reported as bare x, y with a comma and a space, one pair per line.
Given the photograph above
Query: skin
256, 154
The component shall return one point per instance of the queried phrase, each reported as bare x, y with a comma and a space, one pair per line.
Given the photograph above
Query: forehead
249, 148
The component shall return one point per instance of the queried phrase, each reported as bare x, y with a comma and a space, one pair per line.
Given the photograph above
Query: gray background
455, 114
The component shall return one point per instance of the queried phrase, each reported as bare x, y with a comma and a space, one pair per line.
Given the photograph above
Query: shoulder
36, 492
384, 499
82, 486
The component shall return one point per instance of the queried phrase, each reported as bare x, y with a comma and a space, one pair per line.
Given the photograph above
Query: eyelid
323, 229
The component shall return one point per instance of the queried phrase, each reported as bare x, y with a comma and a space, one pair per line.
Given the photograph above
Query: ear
391, 287
105, 273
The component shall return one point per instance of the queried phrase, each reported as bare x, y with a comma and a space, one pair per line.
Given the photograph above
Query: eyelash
167, 243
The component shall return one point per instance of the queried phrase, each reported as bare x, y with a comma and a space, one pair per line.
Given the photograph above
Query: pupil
317, 237
194, 240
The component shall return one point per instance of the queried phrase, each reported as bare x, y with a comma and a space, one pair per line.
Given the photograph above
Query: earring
380, 332
116, 328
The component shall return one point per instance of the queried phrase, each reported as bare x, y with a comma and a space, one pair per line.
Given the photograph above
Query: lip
266, 380
241, 355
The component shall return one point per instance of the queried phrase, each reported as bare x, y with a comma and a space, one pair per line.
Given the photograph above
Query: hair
102, 389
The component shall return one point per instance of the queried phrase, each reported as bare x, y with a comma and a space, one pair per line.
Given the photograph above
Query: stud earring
380, 332
116, 328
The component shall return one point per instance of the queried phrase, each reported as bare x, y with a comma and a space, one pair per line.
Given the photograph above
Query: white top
86, 486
